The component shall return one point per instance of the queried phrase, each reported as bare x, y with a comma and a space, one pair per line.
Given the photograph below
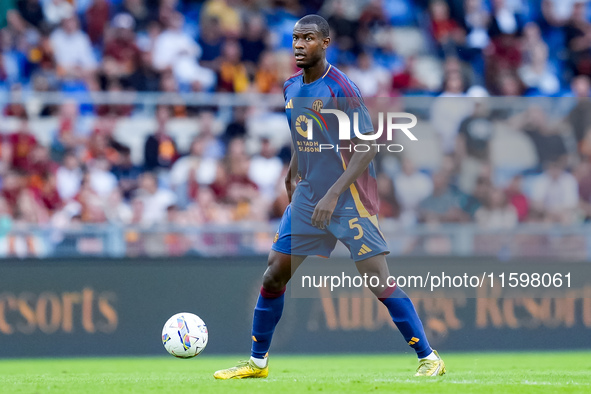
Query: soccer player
335, 199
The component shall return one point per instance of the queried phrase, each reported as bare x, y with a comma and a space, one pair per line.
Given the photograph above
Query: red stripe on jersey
333, 96
347, 98
292, 77
345, 85
285, 88
331, 92
353, 100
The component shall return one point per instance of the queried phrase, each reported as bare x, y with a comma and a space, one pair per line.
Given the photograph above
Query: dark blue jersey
324, 158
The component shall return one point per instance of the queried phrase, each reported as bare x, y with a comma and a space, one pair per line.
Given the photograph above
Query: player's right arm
291, 176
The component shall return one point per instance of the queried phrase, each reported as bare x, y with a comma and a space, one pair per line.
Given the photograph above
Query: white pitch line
526, 382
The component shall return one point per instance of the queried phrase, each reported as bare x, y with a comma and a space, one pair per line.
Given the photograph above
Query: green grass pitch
467, 373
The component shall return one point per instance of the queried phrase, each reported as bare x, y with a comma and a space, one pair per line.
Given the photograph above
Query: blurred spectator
91, 206
373, 15
155, 200
31, 11
137, 211
583, 176
475, 22
17, 109
388, 205
30, 209
585, 145
236, 128
170, 87
233, 186
449, 110
48, 194
555, 195
343, 27
504, 55
126, 172
12, 186
475, 132
7, 9
517, 198
176, 51
472, 144
97, 18
102, 181
173, 44
99, 147
404, 79
578, 39
5, 155
138, 10
580, 116
37, 107
546, 136
177, 217
226, 13
557, 12
119, 211
121, 45
412, 187
69, 177
113, 87
72, 50
443, 205
253, 42
367, 76
266, 77
507, 84
471, 202
146, 40
496, 213
190, 172
211, 41
105, 127
447, 33
42, 58
56, 11
209, 209
504, 22
232, 74
160, 150
40, 168
535, 72
214, 147
22, 142
265, 169
167, 9
70, 134
532, 39
144, 78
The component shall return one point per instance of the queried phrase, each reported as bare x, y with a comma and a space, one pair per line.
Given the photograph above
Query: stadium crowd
453, 49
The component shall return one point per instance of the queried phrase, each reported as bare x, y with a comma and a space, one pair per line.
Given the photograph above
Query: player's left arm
357, 165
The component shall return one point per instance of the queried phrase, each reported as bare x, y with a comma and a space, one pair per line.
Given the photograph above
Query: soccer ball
184, 335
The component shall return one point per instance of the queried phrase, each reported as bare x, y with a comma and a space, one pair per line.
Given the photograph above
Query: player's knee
275, 278
273, 282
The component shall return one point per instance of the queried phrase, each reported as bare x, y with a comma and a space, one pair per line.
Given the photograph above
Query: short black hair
317, 20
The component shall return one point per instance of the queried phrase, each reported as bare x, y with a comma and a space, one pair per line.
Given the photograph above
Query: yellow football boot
431, 367
244, 369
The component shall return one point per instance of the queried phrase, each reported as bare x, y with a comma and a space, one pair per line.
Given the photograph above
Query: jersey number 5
353, 225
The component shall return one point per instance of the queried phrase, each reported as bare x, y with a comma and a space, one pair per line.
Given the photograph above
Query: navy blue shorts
296, 235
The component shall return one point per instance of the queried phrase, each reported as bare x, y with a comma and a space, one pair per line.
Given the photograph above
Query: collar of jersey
319, 79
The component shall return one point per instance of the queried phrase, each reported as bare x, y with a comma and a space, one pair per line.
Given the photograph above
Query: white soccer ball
184, 335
